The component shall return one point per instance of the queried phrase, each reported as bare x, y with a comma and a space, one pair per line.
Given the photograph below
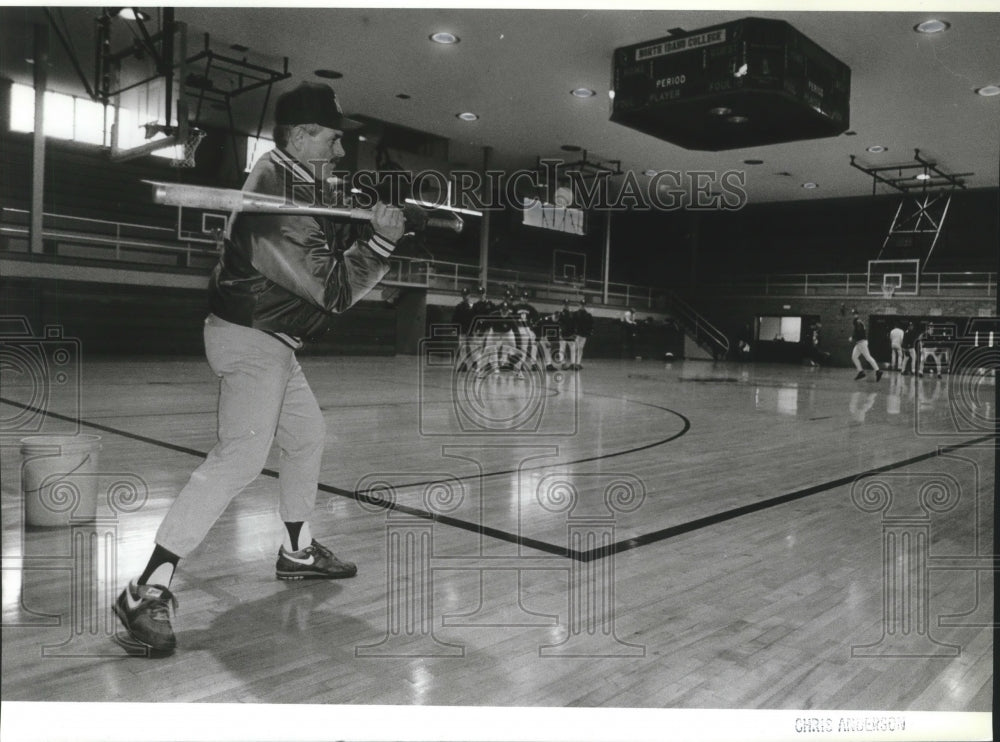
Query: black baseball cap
312, 103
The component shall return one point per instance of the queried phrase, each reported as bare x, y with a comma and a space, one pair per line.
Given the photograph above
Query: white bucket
59, 478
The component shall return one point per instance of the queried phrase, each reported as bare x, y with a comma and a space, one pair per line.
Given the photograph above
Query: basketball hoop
190, 146
891, 282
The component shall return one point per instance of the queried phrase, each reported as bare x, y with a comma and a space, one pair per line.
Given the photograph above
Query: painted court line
587, 556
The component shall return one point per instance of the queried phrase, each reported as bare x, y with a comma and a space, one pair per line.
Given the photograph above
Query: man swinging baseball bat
279, 278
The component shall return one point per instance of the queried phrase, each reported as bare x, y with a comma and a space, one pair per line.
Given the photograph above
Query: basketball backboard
569, 267
142, 69
893, 277
201, 225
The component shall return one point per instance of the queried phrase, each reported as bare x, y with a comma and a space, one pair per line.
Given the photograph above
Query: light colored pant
263, 397
897, 357
580, 343
526, 339
861, 351
566, 348
465, 351
544, 351
503, 347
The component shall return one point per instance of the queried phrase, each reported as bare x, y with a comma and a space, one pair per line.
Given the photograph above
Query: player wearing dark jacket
482, 328
547, 332
910, 333
583, 327
527, 319
859, 336
567, 336
286, 274
462, 316
503, 322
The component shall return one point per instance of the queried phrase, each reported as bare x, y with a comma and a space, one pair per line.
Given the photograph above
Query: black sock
160, 556
293, 533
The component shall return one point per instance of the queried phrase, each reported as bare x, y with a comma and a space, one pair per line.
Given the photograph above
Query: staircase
698, 329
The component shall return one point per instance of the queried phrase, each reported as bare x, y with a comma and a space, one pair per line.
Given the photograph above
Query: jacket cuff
381, 245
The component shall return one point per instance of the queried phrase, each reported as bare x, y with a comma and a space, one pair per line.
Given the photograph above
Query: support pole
41, 52
484, 228
695, 244
606, 278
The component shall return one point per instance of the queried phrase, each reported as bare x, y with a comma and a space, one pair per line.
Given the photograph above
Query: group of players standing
512, 335
910, 346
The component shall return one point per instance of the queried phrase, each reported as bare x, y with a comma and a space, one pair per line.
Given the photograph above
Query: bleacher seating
80, 181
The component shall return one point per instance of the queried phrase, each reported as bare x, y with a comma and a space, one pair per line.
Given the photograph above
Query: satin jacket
286, 274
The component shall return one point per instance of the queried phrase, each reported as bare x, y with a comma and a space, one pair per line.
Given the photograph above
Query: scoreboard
745, 83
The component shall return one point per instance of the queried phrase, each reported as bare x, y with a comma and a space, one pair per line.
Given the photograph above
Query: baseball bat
232, 200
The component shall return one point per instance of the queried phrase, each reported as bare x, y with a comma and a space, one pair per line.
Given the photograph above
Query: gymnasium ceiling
515, 68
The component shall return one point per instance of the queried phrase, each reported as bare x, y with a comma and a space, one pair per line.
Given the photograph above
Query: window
88, 121
66, 116
257, 147
58, 115
22, 108
77, 119
787, 329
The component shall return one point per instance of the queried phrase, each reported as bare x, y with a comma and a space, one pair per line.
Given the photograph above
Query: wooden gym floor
685, 535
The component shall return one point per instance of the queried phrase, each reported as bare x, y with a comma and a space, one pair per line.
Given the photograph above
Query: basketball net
188, 148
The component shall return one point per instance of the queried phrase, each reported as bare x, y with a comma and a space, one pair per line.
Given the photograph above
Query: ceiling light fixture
809, 186
132, 14
583, 93
932, 26
923, 176
720, 111
737, 119
444, 37
467, 116
987, 91
876, 149
650, 173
